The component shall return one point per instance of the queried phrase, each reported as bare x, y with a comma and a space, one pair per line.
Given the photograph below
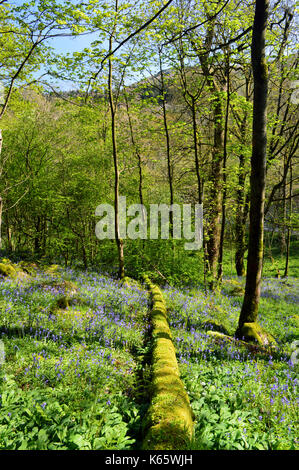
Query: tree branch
128, 38
212, 17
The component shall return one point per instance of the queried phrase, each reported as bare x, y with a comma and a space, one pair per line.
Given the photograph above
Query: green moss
295, 319
129, 282
221, 337
125, 281
169, 421
69, 287
234, 287
165, 436
53, 269
7, 270
253, 332
6, 261
215, 325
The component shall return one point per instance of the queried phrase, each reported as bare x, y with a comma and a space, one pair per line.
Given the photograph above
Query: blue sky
64, 45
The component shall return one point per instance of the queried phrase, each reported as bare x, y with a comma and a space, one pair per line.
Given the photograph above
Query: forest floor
74, 370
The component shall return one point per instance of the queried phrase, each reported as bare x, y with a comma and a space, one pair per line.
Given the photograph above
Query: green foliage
7, 270
242, 396
233, 408
68, 380
56, 394
41, 420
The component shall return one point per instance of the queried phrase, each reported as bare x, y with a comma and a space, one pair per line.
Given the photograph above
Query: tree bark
284, 213
191, 100
139, 159
1, 200
214, 200
37, 236
119, 241
167, 137
223, 221
241, 217
242, 196
288, 241
250, 305
10, 245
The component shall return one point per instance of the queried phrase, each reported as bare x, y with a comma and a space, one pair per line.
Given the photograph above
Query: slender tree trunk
167, 137
191, 100
135, 146
10, 245
44, 236
288, 240
214, 200
119, 241
37, 236
139, 160
84, 254
196, 158
199, 186
220, 260
249, 311
1, 200
240, 246
284, 211
241, 217
242, 198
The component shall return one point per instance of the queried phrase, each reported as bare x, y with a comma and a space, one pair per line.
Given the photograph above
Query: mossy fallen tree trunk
253, 343
168, 424
11, 270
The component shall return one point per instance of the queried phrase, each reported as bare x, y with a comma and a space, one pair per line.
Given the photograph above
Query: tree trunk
1, 200
249, 311
84, 254
1, 211
242, 197
241, 217
240, 246
10, 245
44, 236
119, 241
167, 137
284, 211
37, 235
191, 99
135, 146
214, 200
220, 260
288, 241
196, 158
